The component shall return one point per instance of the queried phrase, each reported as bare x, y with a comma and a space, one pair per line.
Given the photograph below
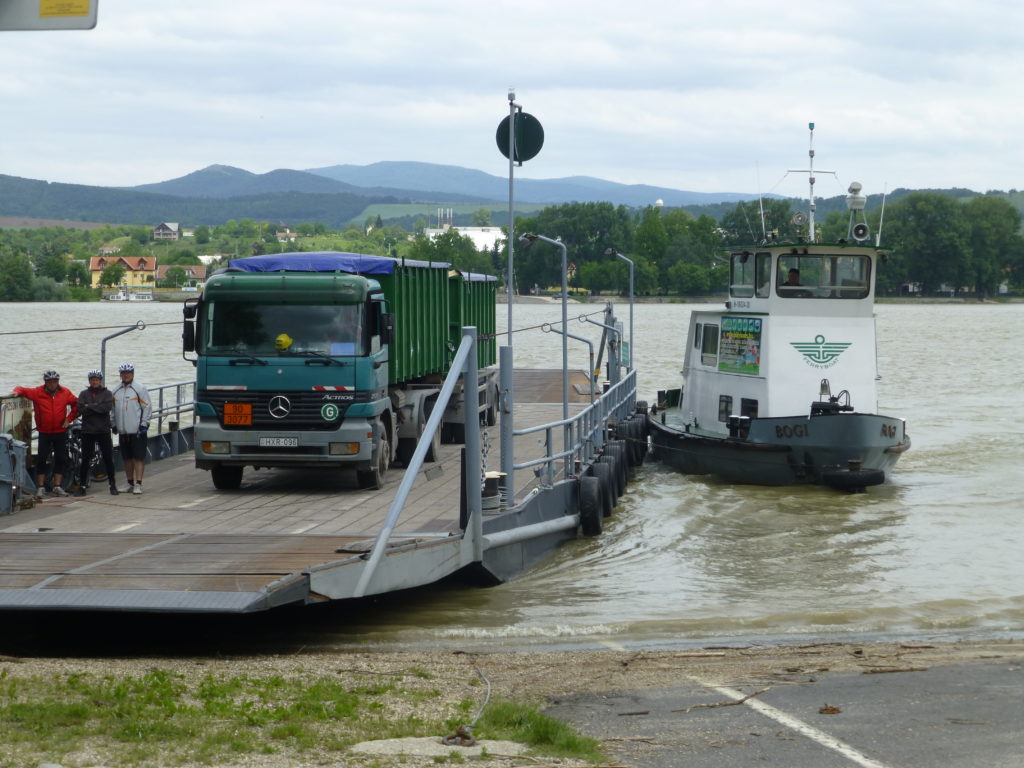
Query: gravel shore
534, 678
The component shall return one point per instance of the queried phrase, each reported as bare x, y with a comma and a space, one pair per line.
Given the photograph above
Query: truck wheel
373, 479
226, 478
491, 417
456, 433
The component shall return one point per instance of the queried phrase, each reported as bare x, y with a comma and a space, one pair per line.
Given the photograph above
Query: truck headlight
344, 449
216, 446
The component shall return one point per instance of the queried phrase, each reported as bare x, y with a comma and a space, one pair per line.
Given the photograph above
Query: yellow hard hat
283, 341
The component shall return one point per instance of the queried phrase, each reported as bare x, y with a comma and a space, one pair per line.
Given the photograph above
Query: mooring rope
94, 328
550, 322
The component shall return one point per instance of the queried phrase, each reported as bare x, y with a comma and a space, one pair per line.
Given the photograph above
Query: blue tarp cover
329, 261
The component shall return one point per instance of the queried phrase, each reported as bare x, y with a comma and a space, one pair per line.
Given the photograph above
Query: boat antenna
881, 216
810, 175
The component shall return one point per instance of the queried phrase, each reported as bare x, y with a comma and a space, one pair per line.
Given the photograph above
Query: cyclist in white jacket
132, 412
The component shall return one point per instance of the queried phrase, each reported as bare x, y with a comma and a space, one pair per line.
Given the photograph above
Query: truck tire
491, 417
373, 478
454, 433
407, 445
226, 478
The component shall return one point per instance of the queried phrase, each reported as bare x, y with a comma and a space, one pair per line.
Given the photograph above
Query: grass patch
163, 718
519, 722
130, 719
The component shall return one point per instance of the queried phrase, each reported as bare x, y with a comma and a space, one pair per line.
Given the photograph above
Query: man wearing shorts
55, 407
132, 411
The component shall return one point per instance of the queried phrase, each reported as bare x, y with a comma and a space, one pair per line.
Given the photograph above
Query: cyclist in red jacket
55, 408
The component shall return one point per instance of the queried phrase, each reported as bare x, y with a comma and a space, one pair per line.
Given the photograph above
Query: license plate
238, 414
279, 442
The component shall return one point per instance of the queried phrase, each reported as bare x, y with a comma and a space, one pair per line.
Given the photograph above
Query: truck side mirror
188, 328
387, 328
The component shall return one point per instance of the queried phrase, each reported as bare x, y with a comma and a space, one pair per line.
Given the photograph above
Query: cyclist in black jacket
94, 406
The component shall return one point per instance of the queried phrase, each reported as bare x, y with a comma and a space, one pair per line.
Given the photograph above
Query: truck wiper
322, 359
247, 359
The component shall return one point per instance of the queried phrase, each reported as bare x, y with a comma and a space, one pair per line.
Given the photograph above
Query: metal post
506, 436
630, 262
474, 481
139, 326
506, 357
548, 328
565, 343
509, 278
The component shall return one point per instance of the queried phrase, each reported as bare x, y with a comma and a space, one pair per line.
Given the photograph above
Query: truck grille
303, 411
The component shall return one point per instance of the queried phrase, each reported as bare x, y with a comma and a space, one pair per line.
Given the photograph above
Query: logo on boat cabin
820, 353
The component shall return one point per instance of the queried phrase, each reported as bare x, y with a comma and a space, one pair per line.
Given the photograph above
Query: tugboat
780, 387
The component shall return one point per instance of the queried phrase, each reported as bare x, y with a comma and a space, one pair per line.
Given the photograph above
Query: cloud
710, 96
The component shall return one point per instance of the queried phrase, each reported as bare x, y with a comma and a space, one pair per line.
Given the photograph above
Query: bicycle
73, 461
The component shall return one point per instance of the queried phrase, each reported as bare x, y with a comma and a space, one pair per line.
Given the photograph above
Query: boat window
698, 336
724, 407
709, 345
763, 267
741, 274
748, 407
242, 327
823, 276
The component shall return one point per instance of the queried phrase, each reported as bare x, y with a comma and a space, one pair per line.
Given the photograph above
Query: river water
935, 553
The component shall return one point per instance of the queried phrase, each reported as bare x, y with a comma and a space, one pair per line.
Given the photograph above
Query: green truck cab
332, 360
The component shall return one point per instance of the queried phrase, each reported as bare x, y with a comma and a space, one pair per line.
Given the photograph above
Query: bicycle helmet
94, 374
126, 368
51, 376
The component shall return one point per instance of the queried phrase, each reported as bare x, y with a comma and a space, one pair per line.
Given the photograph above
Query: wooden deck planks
183, 535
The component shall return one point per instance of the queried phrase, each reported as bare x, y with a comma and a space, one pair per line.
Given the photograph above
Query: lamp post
528, 240
609, 252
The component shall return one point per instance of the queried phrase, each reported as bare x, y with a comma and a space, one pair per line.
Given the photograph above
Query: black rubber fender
604, 472
615, 476
620, 450
591, 506
849, 480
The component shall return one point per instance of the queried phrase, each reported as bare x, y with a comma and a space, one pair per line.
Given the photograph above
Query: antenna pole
810, 176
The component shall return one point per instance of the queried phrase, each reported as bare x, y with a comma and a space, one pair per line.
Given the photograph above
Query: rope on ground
463, 736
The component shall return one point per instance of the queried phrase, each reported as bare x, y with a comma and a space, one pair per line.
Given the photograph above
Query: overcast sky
705, 95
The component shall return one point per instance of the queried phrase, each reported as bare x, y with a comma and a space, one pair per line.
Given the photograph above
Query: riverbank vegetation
940, 245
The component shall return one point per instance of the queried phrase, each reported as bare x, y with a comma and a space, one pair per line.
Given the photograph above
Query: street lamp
610, 252
526, 241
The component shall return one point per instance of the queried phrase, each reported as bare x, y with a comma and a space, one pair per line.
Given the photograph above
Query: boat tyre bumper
852, 480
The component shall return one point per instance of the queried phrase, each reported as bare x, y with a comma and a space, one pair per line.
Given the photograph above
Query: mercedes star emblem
280, 406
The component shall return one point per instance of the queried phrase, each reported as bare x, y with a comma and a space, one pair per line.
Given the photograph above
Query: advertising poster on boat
740, 346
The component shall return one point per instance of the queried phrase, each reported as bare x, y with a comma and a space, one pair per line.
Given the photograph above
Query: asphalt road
967, 714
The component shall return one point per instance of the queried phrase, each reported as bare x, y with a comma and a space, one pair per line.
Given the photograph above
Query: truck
333, 360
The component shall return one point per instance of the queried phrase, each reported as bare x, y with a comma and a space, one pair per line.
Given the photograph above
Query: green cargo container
419, 298
473, 302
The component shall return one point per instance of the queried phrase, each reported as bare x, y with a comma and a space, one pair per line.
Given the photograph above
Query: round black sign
529, 137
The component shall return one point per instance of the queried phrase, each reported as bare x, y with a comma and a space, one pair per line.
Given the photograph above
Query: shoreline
543, 679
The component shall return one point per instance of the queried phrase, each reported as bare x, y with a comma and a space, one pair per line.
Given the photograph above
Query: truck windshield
270, 330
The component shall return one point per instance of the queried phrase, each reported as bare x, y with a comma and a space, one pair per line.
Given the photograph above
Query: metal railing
584, 432
465, 362
173, 403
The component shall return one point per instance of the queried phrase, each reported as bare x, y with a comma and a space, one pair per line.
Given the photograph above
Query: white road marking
125, 527
196, 502
804, 729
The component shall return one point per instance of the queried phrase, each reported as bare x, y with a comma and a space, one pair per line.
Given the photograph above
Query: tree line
937, 242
